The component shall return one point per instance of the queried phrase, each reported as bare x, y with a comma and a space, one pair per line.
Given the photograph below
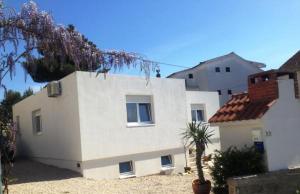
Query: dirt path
36, 178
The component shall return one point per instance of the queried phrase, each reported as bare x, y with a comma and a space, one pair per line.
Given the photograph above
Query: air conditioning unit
54, 89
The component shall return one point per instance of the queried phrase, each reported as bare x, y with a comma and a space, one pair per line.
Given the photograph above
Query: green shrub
235, 162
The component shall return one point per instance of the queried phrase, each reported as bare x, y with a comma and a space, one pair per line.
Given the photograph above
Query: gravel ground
34, 178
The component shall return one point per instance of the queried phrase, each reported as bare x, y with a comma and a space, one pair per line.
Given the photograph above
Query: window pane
131, 112
145, 112
200, 115
125, 167
166, 160
38, 123
18, 122
194, 115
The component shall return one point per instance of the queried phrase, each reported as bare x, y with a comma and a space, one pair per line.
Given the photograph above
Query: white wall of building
238, 134
283, 121
87, 124
107, 140
59, 142
205, 78
210, 102
280, 127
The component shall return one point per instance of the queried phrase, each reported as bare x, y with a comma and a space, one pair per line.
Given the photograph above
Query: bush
234, 162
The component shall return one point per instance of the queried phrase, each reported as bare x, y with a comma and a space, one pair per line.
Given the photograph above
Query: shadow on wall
26, 171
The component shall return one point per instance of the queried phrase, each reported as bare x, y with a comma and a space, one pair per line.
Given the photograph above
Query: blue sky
181, 32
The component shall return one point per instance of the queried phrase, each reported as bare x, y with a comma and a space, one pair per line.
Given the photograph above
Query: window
37, 121
229, 92
217, 69
139, 109
126, 168
219, 92
18, 123
197, 115
166, 161
191, 76
227, 69
197, 111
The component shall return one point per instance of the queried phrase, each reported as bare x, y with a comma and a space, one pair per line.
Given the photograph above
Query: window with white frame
166, 161
126, 168
139, 110
198, 113
37, 121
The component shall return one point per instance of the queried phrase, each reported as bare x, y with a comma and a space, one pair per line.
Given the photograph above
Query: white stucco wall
88, 124
210, 101
59, 143
280, 128
235, 80
107, 140
238, 134
283, 121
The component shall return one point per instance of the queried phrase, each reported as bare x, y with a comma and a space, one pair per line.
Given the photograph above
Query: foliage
8, 131
49, 45
8, 149
27, 93
198, 134
11, 97
59, 68
235, 162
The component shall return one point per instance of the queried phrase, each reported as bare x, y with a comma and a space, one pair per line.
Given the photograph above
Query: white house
225, 74
268, 116
111, 126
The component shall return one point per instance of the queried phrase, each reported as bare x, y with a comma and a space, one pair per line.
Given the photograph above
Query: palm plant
198, 134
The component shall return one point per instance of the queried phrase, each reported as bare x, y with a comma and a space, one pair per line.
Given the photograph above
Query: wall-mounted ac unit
54, 89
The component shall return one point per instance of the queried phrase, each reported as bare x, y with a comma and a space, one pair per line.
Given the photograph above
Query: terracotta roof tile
241, 108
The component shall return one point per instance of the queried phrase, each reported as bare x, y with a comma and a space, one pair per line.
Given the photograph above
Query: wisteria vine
26, 34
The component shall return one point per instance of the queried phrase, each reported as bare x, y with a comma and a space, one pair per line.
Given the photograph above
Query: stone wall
279, 182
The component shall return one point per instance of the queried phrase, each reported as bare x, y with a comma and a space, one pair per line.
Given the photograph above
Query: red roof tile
241, 108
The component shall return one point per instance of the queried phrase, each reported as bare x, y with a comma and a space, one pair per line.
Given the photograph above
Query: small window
217, 69
198, 112
227, 69
219, 92
37, 121
265, 78
229, 92
126, 168
18, 123
191, 76
198, 115
166, 161
139, 109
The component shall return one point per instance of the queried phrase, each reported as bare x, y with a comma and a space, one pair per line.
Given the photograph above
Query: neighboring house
112, 126
268, 116
225, 74
293, 65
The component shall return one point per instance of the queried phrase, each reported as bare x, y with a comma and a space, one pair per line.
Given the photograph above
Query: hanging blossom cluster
24, 36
